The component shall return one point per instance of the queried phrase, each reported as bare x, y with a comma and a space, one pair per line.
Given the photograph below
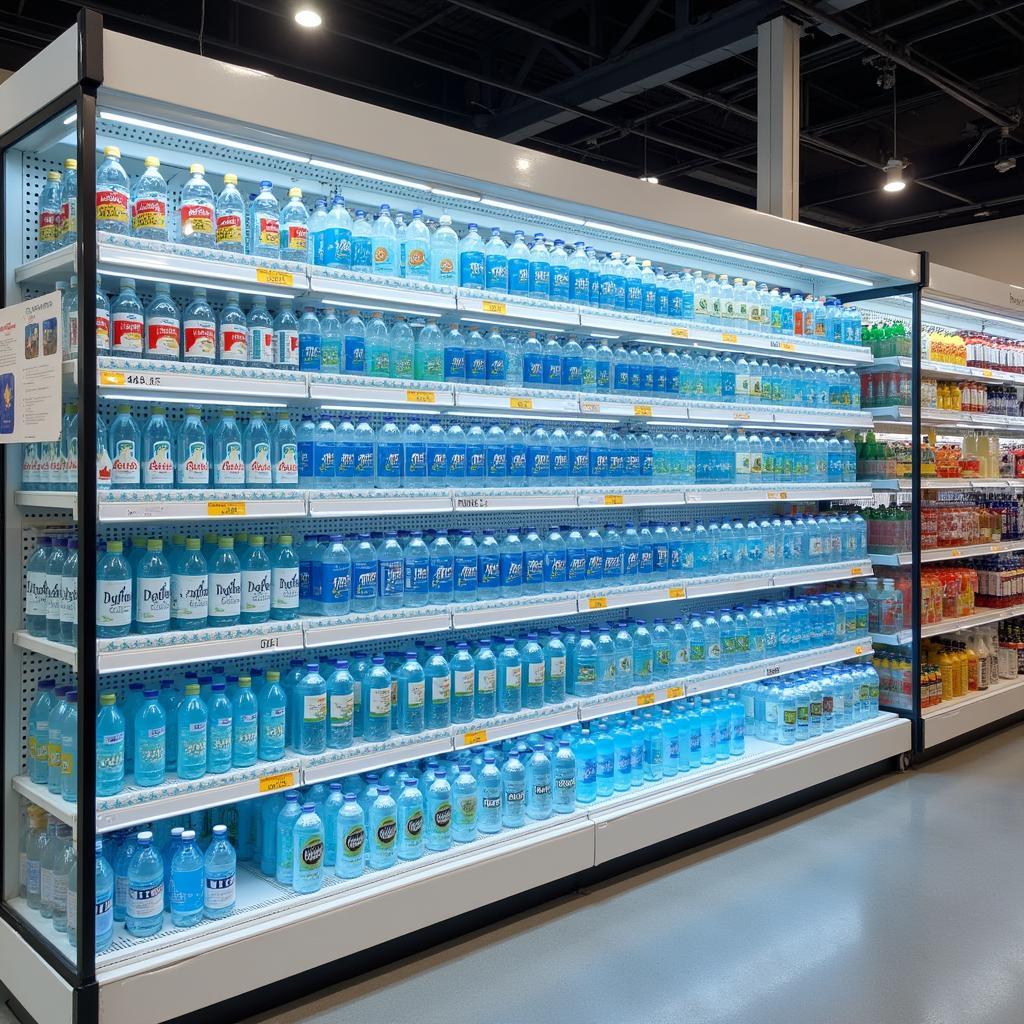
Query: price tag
424, 397
111, 377
520, 403
613, 499
676, 592
680, 332
478, 736
741, 415
490, 306
856, 571
776, 495
858, 650
641, 410
596, 603
590, 406
787, 346
225, 508
674, 692
273, 783
729, 339
281, 277
475, 503
995, 547
773, 670
986, 373
643, 699
954, 552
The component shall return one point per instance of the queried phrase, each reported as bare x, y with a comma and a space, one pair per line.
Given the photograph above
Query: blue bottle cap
308, 808
383, 790
150, 693
350, 798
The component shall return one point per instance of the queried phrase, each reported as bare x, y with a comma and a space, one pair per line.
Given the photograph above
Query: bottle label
196, 219
440, 689
286, 468
513, 677
364, 580
229, 229
230, 471
35, 593
355, 354
49, 227
190, 596
54, 592
163, 336
113, 603
159, 468
233, 343
153, 600
195, 470
258, 469
145, 901
127, 333
268, 231
111, 206
69, 599
285, 583
557, 667
256, 592
486, 680
464, 681
200, 339
341, 708
535, 674
220, 893
124, 470
261, 345
296, 237
149, 215
416, 694
380, 701
102, 330
314, 707
287, 344
225, 594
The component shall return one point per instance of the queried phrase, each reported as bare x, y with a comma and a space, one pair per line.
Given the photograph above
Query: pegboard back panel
34, 169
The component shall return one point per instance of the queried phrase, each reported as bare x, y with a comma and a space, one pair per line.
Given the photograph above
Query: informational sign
30, 361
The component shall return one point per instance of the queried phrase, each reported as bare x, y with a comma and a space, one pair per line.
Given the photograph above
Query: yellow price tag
281, 277
857, 571
776, 495
858, 650
676, 592
422, 397
478, 736
490, 306
680, 332
729, 339
954, 552
613, 499
643, 699
741, 415
111, 377
590, 406
986, 373
641, 410
595, 603
995, 547
225, 508
520, 403
787, 346
273, 783
673, 692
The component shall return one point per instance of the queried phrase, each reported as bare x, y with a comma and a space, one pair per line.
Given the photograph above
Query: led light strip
964, 311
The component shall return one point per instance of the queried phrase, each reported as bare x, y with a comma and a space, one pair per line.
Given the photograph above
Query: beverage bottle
310, 341
579, 275
124, 444
464, 805
68, 234
471, 259
284, 453
149, 753
485, 668
233, 332
196, 224
184, 877
384, 243
489, 788
190, 592
286, 339
36, 588
284, 831
409, 812
441, 569
55, 586
465, 569
256, 582
153, 590
476, 355
417, 262
390, 572
496, 263
63, 864
163, 325
428, 354
377, 696
113, 592
284, 580
307, 851
149, 203
411, 683
104, 913
463, 684
518, 266
273, 713
401, 346
331, 343
309, 712
382, 818
510, 678
364, 570
68, 788
225, 585
498, 371
144, 910
510, 566
539, 784
438, 812
127, 322
220, 872
317, 238
260, 334
39, 733
265, 223
379, 357
351, 838
193, 726
563, 800
244, 724
200, 329
229, 217
444, 253
454, 354
113, 194
417, 571
49, 214
362, 243
157, 451
259, 469
294, 234
555, 560
337, 236
540, 268
438, 684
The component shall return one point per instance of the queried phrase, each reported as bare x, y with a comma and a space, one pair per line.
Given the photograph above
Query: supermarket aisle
900, 901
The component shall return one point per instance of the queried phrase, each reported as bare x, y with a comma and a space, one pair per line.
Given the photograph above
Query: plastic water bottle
307, 851
377, 696
229, 217
378, 348
228, 459
196, 212
113, 592
309, 712
153, 590
225, 585
149, 203
465, 805
260, 335
295, 228
310, 341
510, 678
384, 243
496, 263
417, 262
444, 253
49, 235
144, 910
471, 259
438, 833
337, 236
401, 345
113, 194
232, 333
220, 869
149, 740
539, 784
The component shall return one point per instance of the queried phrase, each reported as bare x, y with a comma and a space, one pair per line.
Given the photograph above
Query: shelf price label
266, 275
477, 736
471, 502
856, 571
590, 407
676, 592
641, 410
490, 306
680, 332
773, 670
275, 783
112, 378
730, 339
674, 692
741, 415
520, 403
596, 603
783, 346
225, 508
421, 397
777, 495
986, 373
613, 499
858, 650
643, 699
955, 552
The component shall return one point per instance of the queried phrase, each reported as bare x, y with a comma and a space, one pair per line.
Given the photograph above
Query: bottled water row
58, 209
51, 589
388, 245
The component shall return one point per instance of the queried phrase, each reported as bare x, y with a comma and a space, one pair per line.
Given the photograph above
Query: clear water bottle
49, 214
229, 217
337, 236
362, 243
471, 259
295, 228
265, 223
163, 325
113, 194
149, 203
518, 265
69, 207
196, 220
417, 262
384, 243
444, 253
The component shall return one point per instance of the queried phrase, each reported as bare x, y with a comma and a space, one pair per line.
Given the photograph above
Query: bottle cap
115, 547
285, 539
230, 179
295, 192
106, 699
71, 164
255, 541
194, 168
151, 161
154, 545
112, 151
53, 175
226, 543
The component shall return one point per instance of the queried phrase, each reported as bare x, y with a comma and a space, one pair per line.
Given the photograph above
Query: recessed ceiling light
308, 18
522, 164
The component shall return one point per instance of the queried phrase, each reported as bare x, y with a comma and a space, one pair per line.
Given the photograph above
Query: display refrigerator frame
88, 64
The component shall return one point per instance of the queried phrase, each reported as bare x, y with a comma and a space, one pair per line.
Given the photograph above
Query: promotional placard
30, 361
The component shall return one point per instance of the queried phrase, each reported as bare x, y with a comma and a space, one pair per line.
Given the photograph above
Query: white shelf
950, 719
948, 371
516, 311
512, 499
713, 494
946, 554
511, 400
125, 379
50, 501
900, 639
950, 484
38, 794
946, 420
391, 294
470, 616
368, 393
353, 504
51, 648
980, 618
45, 271
351, 629
175, 506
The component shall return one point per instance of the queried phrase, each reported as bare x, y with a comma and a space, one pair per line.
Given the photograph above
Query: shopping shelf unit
190, 108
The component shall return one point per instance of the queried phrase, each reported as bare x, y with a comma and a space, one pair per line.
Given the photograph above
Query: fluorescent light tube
532, 211
372, 175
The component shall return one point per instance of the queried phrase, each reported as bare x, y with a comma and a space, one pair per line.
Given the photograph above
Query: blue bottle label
560, 284
389, 461
634, 297
324, 457
559, 462
355, 354
554, 567
364, 580
631, 564
495, 365
307, 460
533, 568
553, 370
540, 278
437, 460
576, 566
572, 371
465, 573
309, 352
471, 269
496, 460
579, 286
538, 461
533, 368
488, 572
441, 576
476, 364
496, 269
476, 462
454, 363
456, 460
516, 457
335, 584
417, 575
362, 461
622, 376
612, 565
518, 276
392, 577
511, 570
416, 461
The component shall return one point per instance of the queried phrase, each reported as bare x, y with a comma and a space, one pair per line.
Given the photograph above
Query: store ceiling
657, 87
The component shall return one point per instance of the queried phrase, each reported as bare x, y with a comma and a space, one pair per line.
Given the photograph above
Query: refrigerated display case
88, 91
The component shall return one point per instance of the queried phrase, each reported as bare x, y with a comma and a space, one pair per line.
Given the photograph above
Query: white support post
778, 118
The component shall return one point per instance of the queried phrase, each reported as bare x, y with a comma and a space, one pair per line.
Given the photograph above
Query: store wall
990, 248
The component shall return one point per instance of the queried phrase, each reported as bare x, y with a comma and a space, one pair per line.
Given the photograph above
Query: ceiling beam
526, 26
